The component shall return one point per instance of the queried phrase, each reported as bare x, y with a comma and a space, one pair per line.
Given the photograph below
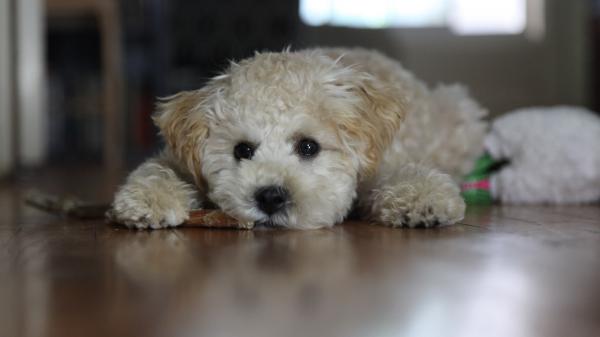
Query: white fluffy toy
550, 156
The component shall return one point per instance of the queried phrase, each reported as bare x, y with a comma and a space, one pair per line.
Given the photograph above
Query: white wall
30, 90
6, 154
31, 73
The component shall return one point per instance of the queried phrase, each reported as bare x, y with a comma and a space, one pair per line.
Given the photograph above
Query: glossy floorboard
506, 271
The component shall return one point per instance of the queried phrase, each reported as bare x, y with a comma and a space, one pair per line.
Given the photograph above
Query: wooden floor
506, 271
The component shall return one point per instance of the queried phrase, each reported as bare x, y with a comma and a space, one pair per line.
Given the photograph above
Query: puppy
299, 139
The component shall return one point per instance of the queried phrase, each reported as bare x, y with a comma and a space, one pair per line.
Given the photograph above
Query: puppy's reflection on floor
266, 275
153, 259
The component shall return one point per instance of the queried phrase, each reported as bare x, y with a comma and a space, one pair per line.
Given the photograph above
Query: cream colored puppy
297, 139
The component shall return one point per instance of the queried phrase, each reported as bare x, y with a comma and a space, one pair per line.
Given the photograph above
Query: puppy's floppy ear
378, 108
181, 121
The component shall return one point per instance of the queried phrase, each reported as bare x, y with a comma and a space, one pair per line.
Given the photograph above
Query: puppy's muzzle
271, 199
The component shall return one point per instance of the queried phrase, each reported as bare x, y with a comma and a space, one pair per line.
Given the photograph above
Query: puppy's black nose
271, 199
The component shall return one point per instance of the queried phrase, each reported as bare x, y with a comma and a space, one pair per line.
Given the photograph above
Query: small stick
215, 219
66, 206
75, 208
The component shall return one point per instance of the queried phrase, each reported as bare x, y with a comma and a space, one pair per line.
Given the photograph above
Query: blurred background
78, 78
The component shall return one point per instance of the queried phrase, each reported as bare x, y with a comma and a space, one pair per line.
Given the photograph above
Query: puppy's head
283, 138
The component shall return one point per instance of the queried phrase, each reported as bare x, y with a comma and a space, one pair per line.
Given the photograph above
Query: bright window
464, 17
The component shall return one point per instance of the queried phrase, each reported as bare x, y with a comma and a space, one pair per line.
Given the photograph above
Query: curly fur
388, 144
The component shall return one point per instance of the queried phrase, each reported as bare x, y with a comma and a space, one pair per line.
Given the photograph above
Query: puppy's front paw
425, 203
136, 209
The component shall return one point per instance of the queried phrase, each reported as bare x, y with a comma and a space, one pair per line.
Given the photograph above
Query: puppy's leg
413, 196
154, 196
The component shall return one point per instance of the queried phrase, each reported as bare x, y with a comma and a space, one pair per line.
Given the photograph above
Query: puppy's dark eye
307, 148
243, 150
